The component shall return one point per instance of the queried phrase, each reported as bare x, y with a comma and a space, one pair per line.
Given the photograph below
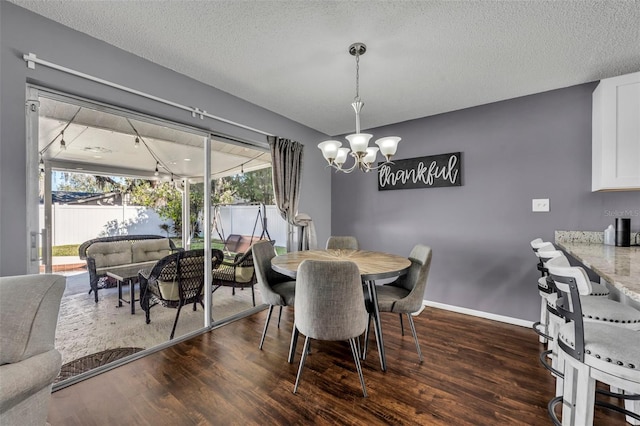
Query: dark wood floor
475, 372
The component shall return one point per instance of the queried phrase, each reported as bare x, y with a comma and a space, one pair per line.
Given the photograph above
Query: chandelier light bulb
388, 146
359, 142
137, 143
364, 156
156, 173
329, 149
371, 155
341, 157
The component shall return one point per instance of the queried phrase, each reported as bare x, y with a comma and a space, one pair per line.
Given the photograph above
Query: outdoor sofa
120, 252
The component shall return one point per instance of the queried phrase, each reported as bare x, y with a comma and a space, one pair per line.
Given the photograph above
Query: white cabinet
616, 134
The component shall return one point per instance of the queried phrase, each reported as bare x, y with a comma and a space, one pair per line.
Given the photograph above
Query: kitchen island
618, 266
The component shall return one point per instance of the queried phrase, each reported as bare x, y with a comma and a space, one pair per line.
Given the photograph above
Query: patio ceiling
99, 142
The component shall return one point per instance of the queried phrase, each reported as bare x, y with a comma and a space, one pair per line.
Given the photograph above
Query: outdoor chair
239, 273
175, 281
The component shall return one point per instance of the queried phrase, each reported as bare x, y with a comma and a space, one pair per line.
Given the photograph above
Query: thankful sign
422, 172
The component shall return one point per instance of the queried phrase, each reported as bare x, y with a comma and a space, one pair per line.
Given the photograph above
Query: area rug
89, 362
85, 327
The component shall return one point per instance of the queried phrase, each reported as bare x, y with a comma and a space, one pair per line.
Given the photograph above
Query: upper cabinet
616, 134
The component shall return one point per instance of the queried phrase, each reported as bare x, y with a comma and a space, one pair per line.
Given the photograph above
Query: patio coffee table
129, 275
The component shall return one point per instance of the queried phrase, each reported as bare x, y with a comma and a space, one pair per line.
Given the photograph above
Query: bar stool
590, 351
594, 309
545, 251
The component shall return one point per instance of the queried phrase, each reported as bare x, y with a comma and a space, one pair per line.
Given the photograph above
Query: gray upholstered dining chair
346, 243
276, 289
330, 306
405, 295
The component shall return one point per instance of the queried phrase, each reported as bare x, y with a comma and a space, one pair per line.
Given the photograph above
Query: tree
251, 187
80, 182
166, 200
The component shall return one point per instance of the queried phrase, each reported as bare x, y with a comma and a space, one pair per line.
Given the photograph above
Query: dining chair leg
415, 335
356, 358
366, 339
401, 325
253, 296
266, 325
173, 330
294, 342
302, 360
279, 316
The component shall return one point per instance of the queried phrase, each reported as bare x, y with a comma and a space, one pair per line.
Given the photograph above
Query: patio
85, 327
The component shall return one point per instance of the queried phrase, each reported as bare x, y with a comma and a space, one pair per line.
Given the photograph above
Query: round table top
373, 265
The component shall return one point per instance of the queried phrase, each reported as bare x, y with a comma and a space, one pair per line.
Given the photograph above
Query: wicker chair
175, 281
239, 273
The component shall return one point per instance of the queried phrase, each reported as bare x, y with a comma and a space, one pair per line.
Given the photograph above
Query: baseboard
481, 314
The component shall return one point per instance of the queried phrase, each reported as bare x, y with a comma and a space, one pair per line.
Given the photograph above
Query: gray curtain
287, 162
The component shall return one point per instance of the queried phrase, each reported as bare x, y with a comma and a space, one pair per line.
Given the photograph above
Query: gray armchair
29, 363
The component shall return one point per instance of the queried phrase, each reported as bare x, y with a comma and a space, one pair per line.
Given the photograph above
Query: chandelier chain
357, 98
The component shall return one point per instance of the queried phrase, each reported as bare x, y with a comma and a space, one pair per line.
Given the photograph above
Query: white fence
244, 220
73, 224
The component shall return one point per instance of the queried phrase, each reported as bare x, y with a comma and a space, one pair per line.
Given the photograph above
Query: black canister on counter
623, 232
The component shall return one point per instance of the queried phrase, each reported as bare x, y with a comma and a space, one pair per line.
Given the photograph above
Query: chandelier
364, 155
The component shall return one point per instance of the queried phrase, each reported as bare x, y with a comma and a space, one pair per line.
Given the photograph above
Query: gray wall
537, 146
22, 32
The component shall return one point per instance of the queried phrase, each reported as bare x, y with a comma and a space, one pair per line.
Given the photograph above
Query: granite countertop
620, 266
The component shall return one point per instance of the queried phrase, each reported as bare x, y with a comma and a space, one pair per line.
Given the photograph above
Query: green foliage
166, 200
79, 182
65, 250
250, 187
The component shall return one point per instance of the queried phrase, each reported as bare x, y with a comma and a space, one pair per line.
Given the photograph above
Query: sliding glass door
105, 181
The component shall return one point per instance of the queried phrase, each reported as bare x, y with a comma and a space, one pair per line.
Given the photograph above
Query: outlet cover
540, 205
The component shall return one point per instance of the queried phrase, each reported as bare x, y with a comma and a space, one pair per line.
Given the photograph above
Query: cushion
146, 250
388, 295
607, 344
598, 289
244, 274
601, 309
287, 291
110, 253
169, 290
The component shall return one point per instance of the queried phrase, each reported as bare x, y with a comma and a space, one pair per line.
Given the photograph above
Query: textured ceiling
423, 58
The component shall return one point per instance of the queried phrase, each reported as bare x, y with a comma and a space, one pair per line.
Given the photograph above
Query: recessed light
187, 159
97, 149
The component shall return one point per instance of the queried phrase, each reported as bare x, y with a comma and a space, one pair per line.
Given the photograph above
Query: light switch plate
540, 205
